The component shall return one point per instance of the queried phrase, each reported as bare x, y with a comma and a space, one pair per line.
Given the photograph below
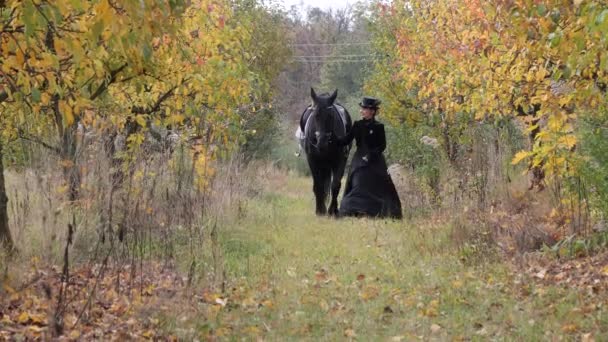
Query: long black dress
369, 188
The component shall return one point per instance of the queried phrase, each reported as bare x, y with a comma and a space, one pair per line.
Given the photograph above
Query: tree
536, 61
61, 56
5, 234
104, 65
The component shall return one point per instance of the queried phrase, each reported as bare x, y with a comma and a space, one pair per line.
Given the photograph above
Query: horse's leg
320, 192
336, 184
318, 186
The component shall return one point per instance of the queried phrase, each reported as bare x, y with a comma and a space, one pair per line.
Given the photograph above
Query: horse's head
323, 117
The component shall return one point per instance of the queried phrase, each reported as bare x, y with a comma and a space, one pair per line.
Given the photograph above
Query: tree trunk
5, 233
71, 171
538, 173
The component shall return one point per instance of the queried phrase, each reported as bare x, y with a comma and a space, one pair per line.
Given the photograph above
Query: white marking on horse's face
317, 134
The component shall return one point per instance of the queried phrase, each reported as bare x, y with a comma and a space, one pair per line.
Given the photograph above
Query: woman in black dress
369, 189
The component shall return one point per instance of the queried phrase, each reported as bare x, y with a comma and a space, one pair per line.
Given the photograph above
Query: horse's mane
341, 121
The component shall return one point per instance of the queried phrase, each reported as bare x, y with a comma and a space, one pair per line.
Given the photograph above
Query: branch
156, 107
12, 85
19, 29
38, 141
104, 86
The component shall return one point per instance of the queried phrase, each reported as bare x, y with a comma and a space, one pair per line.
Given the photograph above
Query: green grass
293, 275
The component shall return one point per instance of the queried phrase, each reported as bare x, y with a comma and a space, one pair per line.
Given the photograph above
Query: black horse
322, 124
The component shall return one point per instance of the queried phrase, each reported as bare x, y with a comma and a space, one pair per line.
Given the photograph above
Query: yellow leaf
23, 318
6, 319
19, 57
38, 319
350, 333
148, 290
141, 120
252, 330
175, 119
430, 312
369, 292
268, 303
66, 163
103, 10
66, 111
8, 289
569, 328
148, 334
568, 140
519, 156
74, 334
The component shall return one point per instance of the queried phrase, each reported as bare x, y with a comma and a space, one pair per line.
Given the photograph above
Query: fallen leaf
430, 312
369, 292
209, 297
435, 328
569, 328
541, 274
39, 319
267, 303
361, 277
349, 333
324, 305
148, 290
74, 334
221, 302
249, 301
8, 289
23, 318
6, 319
321, 275
148, 334
252, 330
588, 337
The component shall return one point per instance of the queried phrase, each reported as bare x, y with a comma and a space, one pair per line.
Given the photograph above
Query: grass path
293, 275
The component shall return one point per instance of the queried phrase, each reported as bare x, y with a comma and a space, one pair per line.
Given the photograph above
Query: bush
423, 160
594, 151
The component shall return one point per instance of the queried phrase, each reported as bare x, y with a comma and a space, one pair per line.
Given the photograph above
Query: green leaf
28, 18
97, 29
147, 49
601, 17
555, 40
541, 9
35, 95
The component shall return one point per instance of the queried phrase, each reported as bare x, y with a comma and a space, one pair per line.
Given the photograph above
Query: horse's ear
313, 94
333, 96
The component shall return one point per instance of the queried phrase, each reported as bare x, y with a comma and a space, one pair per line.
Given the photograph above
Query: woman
369, 189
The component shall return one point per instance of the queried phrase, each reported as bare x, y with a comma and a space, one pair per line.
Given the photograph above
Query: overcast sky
324, 4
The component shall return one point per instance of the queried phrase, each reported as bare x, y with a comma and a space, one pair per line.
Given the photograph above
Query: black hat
370, 102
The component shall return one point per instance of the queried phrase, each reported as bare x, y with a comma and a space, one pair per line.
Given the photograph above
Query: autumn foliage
540, 64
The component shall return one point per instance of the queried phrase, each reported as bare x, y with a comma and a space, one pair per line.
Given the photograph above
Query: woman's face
367, 113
